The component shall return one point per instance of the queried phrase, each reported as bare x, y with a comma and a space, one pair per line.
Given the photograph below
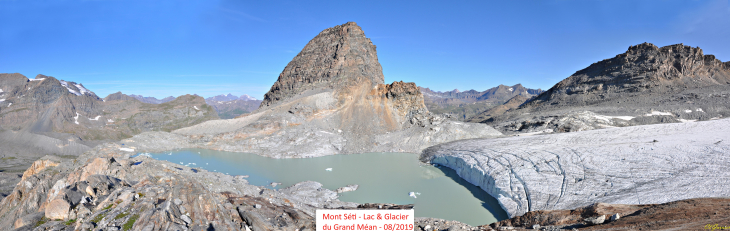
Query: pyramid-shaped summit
337, 58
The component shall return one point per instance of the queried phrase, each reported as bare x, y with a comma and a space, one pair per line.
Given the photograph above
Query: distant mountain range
464, 105
229, 106
229, 97
152, 100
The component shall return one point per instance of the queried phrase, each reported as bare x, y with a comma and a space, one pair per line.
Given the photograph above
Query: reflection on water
382, 177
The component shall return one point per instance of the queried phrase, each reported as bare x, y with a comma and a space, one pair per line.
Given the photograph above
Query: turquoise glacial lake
382, 178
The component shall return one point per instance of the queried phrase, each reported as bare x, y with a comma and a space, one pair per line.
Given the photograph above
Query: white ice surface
65, 84
607, 118
82, 88
626, 165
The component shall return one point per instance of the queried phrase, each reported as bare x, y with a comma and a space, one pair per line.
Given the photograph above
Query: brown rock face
338, 57
38, 166
406, 98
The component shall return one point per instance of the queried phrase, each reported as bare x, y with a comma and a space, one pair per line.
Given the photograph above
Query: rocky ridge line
644, 85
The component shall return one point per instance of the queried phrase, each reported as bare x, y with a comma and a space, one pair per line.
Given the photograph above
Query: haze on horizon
171, 48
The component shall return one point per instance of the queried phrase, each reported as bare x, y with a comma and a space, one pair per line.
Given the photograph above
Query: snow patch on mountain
65, 84
246, 98
81, 88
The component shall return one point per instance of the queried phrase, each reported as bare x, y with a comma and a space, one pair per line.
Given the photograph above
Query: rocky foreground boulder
631, 165
330, 99
107, 189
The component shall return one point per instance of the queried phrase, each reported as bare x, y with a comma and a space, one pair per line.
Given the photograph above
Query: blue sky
163, 48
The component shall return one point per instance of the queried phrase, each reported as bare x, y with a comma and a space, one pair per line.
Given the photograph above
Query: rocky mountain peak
223, 98
120, 96
644, 47
642, 67
337, 58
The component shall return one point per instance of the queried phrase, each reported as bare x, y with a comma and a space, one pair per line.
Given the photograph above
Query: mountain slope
511, 104
152, 100
48, 105
644, 85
